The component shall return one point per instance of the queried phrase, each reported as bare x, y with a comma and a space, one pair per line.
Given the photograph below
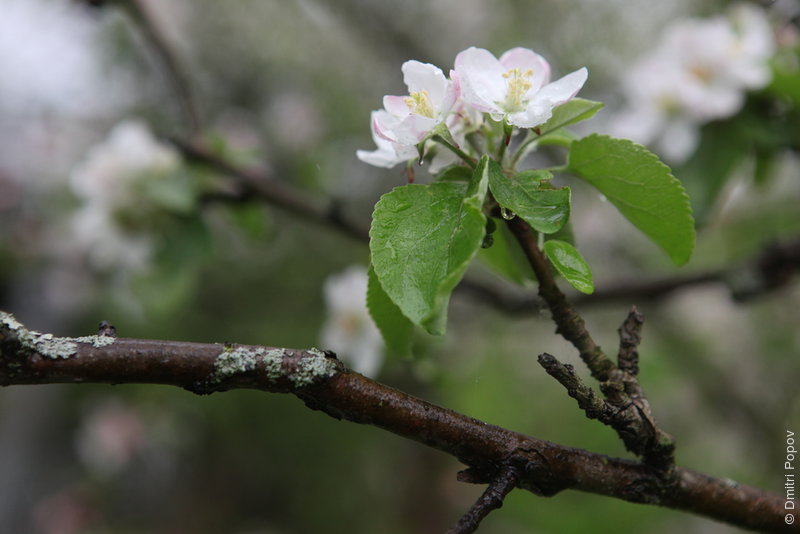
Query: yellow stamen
668, 104
702, 73
419, 103
518, 84
350, 323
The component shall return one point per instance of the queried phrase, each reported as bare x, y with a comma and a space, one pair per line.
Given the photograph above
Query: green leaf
570, 264
565, 234
546, 210
455, 173
723, 146
641, 187
506, 258
560, 137
395, 327
572, 111
251, 218
422, 239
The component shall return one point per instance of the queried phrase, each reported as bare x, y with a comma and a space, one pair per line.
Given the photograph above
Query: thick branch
323, 383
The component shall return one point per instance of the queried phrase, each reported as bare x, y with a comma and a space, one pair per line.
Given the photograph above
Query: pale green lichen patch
273, 364
313, 367
10, 322
54, 347
47, 345
301, 368
235, 361
96, 341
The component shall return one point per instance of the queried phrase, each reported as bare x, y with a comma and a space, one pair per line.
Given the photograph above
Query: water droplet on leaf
507, 214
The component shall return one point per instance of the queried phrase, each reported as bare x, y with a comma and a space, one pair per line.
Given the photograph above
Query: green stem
557, 168
521, 149
507, 131
469, 160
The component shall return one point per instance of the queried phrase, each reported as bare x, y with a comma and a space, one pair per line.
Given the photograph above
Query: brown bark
545, 468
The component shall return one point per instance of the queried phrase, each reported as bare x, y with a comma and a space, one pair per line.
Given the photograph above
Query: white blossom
349, 330
107, 182
388, 154
110, 167
699, 72
410, 119
516, 88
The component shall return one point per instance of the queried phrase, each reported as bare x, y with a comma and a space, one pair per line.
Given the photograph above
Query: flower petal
421, 77
540, 108
389, 153
396, 105
525, 59
481, 80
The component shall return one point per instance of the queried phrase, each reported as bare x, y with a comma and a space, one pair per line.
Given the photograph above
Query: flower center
518, 84
668, 104
419, 103
702, 73
350, 323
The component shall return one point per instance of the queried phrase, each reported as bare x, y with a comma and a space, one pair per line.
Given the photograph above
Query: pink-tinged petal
540, 107
481, 79
386, 158
388, 153
421, 77
396, 105
564, 88
451, 97
525, 59
413, 129
456, 84
384, 125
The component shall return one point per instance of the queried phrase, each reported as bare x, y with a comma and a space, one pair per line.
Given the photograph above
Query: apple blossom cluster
514, 90
112, 183
349, 330
697, 73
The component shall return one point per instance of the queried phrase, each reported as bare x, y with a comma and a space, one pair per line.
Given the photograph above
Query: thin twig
632, 417
173, 69
588, 400
630, 335
274, 192
491, 499
779, 261
569, 323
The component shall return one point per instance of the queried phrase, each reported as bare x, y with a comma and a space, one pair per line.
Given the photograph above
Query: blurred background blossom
101, 219
698, 72
349, 330
111, 225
